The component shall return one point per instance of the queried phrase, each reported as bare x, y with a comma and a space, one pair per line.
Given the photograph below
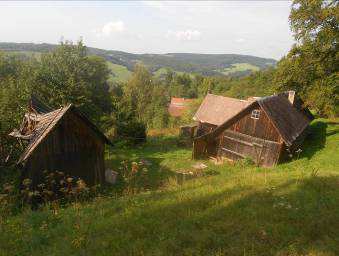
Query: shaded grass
291, 209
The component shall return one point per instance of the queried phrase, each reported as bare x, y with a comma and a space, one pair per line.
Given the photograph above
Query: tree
13, 98
146, 98
68, 75
311, 67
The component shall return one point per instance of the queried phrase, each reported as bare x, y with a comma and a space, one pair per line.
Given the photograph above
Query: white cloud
184, 35
240, 40
155, 4
110, 28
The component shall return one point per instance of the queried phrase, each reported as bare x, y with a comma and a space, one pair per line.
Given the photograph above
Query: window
255, 114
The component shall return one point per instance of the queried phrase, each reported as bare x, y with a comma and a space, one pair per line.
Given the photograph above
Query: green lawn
119, 73
239, 67
291, 209
163, 71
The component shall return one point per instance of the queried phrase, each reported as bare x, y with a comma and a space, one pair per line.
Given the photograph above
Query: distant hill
123, 62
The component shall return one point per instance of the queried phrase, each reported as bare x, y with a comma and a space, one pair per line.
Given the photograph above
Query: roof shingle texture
289, 121
217, 109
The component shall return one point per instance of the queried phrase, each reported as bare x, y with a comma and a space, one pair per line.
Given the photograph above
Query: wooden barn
60, 140
263, 129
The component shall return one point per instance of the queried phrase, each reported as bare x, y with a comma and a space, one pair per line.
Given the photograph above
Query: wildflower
36, 193
63, 190
47, 192
81, 184
26, 182
41, 185
44, 226
3, 197
61, 173
134, 167
8, 188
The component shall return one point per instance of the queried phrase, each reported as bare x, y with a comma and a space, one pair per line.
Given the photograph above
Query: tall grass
291, 209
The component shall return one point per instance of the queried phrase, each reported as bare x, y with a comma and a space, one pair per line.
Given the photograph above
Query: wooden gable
261, 127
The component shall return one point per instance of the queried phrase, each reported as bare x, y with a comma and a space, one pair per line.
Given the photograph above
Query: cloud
240, 40
110, 28
184, 35
156, 4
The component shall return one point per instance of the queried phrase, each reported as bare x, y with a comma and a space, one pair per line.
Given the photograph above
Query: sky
258, 28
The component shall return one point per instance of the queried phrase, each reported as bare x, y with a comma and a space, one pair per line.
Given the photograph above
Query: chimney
291, 96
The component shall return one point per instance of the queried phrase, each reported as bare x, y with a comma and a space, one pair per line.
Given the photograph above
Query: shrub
56, 189
7, 200
132, 131
134, 176
55, 186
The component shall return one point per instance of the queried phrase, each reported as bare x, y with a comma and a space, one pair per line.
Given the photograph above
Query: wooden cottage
262, 129
61, 140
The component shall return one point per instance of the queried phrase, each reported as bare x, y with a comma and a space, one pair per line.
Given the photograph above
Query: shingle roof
298, 103
43, 124
217, 109
288, 120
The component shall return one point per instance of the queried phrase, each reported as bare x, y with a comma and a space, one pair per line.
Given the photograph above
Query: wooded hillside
204, 64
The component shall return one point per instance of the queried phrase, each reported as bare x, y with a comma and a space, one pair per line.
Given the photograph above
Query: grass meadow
119, 73
233, 209
239, 67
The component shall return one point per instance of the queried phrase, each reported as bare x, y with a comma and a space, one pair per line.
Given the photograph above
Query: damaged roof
37, 126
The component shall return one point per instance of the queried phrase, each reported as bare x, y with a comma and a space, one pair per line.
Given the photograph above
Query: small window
255, 114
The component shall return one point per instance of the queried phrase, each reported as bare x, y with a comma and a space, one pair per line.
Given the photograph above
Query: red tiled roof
177, 106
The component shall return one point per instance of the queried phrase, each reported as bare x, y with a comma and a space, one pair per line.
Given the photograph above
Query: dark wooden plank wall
234, 145
204, 128
260, 128
72, 147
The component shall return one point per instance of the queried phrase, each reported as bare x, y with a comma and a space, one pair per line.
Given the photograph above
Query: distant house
178, 106
60, 140
263, 129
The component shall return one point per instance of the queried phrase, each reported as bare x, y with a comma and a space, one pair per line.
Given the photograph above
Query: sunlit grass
237, 67
291, 209
119, 73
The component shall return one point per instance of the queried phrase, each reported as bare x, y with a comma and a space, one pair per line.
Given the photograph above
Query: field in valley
232, 209
119, 73
238, 67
